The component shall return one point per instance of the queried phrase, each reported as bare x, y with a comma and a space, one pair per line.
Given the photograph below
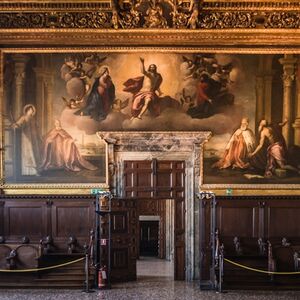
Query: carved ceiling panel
149, 14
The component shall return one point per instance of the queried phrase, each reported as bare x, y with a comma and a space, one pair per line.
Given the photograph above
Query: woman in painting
101, 97
30, 141
60, 152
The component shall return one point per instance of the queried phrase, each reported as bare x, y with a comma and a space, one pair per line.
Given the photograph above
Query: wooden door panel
179, 268
123, 240
166, 180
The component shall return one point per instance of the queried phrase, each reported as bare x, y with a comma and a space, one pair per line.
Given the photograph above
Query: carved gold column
296, 124
288, 63
20, 61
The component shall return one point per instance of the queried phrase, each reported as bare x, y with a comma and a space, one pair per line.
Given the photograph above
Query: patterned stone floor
154, 283
147, 289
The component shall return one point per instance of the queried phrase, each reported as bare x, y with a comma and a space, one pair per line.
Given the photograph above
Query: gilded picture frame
232, 38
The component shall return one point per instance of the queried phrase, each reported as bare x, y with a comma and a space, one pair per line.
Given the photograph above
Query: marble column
296, 123
40, 96
20, 61
49, 83
288, 63
268, 78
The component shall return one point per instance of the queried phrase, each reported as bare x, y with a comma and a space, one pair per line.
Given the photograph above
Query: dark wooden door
161, 180
149, 238
123, 239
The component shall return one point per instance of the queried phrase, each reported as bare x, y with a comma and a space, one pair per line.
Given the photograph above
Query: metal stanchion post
221, 269
86, 270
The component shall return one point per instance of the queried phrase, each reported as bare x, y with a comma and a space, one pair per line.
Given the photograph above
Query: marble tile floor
147, 289
154, 283
151, 266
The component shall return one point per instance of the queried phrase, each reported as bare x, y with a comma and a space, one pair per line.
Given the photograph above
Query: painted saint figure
277, 149
101, 97
237, 151
144, 90
30, 141
60, 152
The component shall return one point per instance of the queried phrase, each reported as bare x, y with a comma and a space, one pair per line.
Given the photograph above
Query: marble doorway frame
181, 146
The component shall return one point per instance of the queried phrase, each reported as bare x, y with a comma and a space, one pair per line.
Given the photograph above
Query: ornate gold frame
269, 26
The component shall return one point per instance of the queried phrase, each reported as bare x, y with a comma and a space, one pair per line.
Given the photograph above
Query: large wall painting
56, 102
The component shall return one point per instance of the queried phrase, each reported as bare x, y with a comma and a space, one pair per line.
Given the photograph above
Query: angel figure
72, 103
118, 104
77, 72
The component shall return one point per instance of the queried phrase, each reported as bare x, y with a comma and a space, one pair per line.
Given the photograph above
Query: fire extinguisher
102, 278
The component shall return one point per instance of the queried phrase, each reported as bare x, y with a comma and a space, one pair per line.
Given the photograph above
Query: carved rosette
283, 20
220, 20
56, 20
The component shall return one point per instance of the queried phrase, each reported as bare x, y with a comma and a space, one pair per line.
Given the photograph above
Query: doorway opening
156, 239
149, 237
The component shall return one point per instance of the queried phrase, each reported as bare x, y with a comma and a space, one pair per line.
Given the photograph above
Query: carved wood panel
72, 218
282, 220
25, 219
237, 218
248, 218
39, 216
2, 218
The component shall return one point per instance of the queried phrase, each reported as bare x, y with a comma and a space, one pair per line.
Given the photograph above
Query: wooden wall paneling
25, 218
204, 247
72, 218
237, 218
2, 218
282, 220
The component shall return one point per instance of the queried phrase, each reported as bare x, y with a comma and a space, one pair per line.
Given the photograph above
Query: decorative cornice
164, 14
224, 38
44, 6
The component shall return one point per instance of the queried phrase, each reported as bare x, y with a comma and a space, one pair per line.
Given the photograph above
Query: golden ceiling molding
225, 38
147, 14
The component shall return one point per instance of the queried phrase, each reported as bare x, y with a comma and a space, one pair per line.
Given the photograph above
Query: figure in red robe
240, 145
60, 152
